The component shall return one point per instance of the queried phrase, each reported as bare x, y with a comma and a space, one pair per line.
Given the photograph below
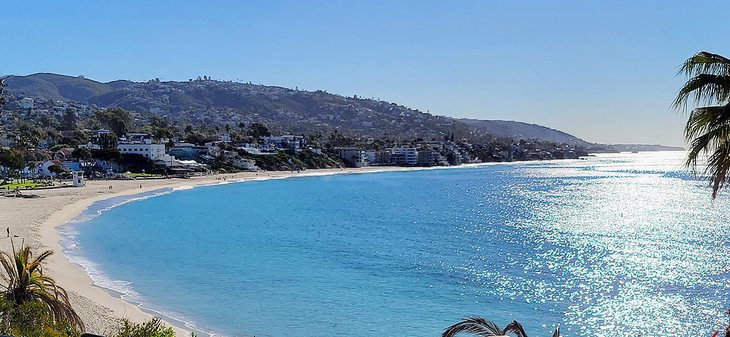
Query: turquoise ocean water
626, 244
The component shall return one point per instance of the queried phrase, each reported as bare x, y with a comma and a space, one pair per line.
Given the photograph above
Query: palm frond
704, 89
705, 119
708, 133
26, 282
718, 165
705, 63
474, 325
556, 333
516, 328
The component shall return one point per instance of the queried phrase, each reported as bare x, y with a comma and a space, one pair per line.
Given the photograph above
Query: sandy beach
34, 221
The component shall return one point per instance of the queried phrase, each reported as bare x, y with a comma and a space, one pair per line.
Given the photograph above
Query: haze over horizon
602, 72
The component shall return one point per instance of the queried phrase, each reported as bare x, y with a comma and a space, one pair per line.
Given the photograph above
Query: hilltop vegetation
519, 130
208, 102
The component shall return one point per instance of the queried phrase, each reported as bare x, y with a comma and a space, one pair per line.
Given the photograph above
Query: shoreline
98, 306
101, 307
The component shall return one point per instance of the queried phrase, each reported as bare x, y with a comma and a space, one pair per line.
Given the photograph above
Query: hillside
520, 130
205, 102
58, 87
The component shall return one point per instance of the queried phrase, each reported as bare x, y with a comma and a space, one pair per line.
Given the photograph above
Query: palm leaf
708, 133
26, 282
704, 89
474, 325
516, 328
556, 333
705, 62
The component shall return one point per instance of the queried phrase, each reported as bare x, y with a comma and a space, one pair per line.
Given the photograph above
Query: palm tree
26, 282
485, 328
708, 127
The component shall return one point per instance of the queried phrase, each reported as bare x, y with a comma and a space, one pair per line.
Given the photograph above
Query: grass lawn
144, 175
21, 185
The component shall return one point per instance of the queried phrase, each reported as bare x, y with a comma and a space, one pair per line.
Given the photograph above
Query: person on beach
8, 230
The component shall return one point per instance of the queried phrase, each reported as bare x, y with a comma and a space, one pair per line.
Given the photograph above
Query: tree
258, 130
484, 328
151, 328
110, 155
29, 135
2, 93
69, 120
25, 282
56, 169
82, 153
31, 319
708, 126
116, 119
107, 141
12, 159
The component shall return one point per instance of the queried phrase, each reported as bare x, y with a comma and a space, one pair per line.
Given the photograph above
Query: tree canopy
117, 120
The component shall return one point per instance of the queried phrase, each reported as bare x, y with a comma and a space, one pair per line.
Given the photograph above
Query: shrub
31, 319
151, 328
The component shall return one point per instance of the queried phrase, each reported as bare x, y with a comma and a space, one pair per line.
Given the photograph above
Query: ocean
620, 244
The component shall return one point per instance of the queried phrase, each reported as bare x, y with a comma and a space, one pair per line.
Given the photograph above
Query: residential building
354, 157
286, 142
406, 156
428, 157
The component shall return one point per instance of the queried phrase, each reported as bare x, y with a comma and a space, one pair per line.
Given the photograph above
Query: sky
604, 71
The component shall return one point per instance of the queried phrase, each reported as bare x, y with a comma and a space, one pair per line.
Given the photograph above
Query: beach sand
34, 222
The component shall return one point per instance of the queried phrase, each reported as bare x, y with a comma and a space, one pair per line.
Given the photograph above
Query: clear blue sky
601, 70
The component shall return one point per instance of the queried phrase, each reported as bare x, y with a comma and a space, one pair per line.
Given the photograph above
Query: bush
31, 319
151, 328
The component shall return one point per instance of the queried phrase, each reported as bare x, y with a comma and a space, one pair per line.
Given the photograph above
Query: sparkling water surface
622, 244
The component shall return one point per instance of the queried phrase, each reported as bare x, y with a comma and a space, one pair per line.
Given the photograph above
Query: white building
150, 150
26, 103
245, 164
142, 144
405, 156
286, 142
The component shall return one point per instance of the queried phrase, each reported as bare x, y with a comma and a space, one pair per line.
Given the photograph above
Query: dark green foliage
29, 135
284, 161
82, 153
134, 162
31, 319
57, 169
69, 120
13, 159
198, 138
26, 283
117, 120
151, 328
110, 155
708, 127
258, 130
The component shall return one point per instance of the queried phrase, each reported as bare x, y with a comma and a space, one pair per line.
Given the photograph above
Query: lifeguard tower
78, 179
